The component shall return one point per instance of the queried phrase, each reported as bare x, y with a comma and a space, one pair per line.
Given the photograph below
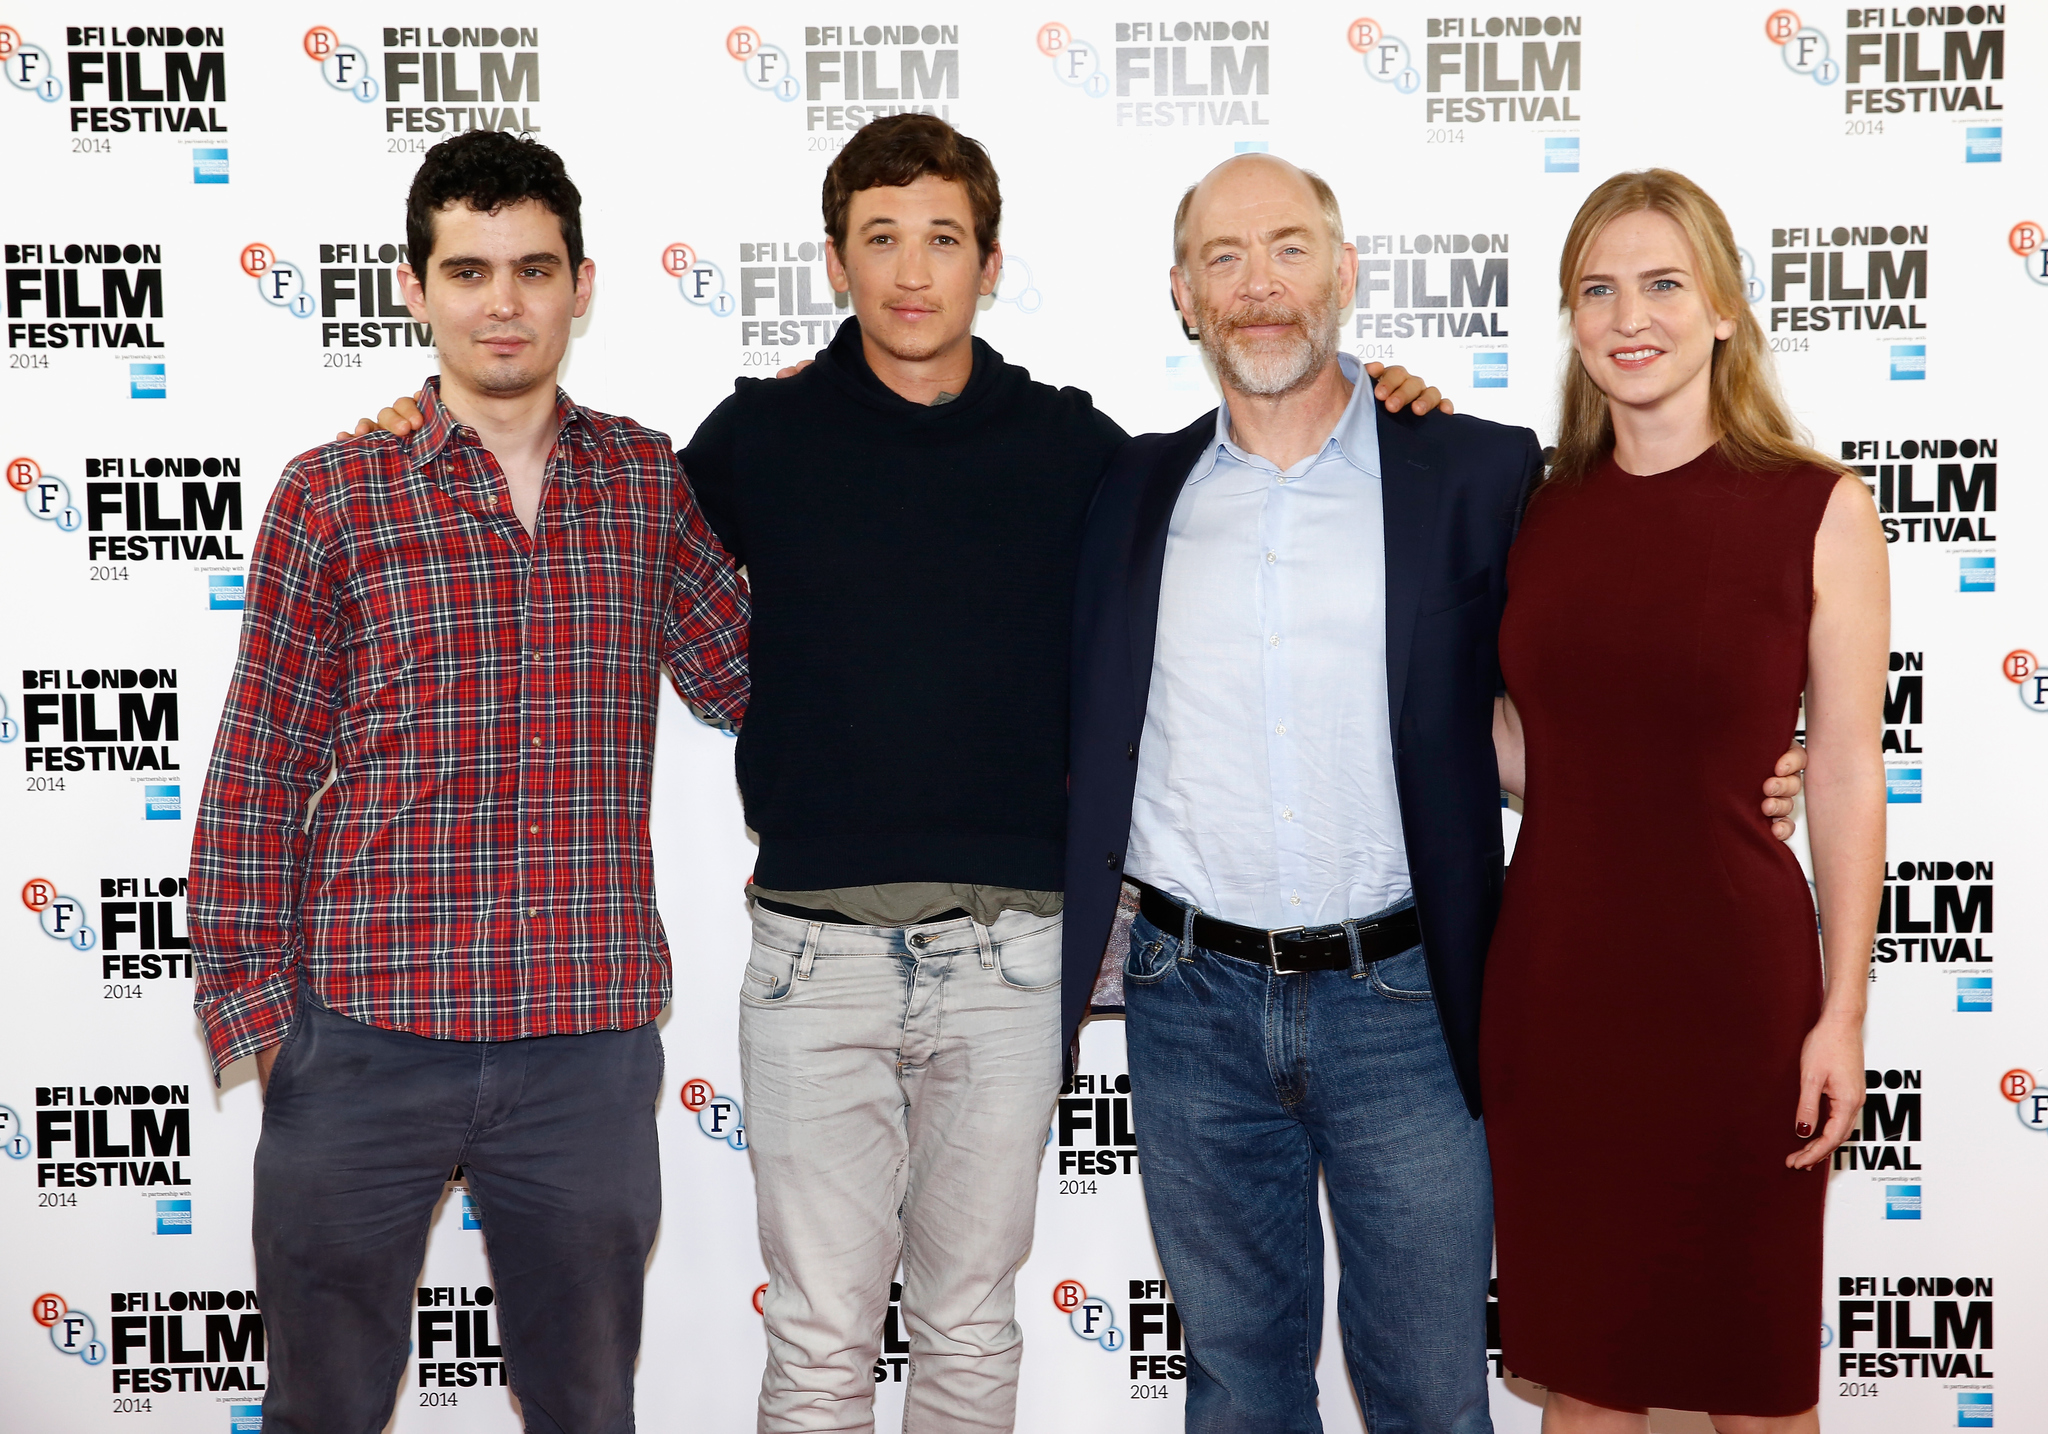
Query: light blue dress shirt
1266, 774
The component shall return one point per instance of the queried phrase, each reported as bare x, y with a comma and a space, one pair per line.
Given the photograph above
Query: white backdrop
1882, 168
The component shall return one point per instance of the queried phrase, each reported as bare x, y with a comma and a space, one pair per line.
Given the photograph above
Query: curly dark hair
899, 150
487, 170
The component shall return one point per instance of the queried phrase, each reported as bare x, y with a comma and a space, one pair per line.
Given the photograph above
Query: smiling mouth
1635, 358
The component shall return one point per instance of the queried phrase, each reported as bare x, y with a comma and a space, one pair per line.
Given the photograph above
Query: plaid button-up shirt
485, 702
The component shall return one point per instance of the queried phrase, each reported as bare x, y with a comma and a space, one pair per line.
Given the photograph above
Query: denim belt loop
987, 946
812, 933
1187, 928
1350, 925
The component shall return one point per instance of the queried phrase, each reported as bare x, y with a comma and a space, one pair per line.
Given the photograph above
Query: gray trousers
555, 1136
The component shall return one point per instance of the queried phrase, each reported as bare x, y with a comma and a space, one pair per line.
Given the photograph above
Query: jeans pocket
770, 975
1031, 962
1152, 955
1402, 978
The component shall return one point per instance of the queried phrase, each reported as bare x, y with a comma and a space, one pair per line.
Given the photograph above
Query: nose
503, 302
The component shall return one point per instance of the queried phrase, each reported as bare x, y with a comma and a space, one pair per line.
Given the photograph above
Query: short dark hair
487, 170
899, 150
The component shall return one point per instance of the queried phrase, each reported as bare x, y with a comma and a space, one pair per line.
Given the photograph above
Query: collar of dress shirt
1356, 434
438, 425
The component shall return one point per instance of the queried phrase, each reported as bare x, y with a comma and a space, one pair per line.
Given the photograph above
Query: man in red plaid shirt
422, 892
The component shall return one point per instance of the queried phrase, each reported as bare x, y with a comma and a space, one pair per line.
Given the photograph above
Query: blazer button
1111, 860
1132, 751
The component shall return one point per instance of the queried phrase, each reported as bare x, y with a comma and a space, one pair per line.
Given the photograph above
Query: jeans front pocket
1402, 978
1152, 955
770, 975
1031, 962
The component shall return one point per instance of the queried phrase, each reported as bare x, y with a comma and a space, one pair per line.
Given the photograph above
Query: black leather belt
1290, 949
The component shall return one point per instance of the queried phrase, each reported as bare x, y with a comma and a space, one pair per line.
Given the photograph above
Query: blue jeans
1243, 1083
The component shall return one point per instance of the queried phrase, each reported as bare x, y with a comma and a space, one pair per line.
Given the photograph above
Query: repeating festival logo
140, 709
1939, 913
1092, 1128
112, 1137
65, 297
1481, 72
1170, 74
355, 292
1900, 61
718, 1116
138, 928
1905, 705
145, 511
2026, 239
1090, 1317
436, 80
1435, 286
72, 1332
1936, 498
2023, 670
128, 80
851, 74
1914, 1327
185, 1341
1887, 1139
2029, 1100
458, 1342
1836, 280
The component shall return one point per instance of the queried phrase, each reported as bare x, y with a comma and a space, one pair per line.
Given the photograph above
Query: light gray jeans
898, 1086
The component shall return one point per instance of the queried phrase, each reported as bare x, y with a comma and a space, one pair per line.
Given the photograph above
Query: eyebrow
477, 261
1646, 274
1286, 231
940, 223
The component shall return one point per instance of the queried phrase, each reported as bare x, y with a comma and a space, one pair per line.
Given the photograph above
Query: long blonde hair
1754, 430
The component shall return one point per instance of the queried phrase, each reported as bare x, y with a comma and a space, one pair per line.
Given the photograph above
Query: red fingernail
1803, 1129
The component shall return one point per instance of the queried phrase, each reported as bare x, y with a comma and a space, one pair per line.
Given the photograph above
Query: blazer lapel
1409, 486
1145, 564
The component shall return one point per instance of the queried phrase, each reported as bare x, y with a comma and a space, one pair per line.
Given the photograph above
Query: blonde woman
1668, 1054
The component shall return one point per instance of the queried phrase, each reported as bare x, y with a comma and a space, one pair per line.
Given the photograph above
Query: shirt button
534, 829
535, 912
1272, 557
1281, 729
494, 500
1295, 899
536, 741
1287, 813
1283, 477
1274, 640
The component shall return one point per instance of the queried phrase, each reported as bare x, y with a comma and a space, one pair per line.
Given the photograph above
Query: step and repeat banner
203, 220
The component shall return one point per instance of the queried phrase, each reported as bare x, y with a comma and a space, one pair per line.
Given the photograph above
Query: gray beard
1274, 371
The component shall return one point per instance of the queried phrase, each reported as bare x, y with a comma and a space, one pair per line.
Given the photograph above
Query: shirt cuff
249, 1018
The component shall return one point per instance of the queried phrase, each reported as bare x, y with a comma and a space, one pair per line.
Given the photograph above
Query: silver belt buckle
1273, 946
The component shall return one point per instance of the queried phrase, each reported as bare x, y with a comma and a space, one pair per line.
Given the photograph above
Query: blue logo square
1902, 1202
1973, 1409
1902, 784
1980, 575
1909, 361
245, 1419
1489, 370
209, 166
224, 592
1984, 146
145, 380
1561, 156
1973, 993
174, 1217
161, 804
469, 1219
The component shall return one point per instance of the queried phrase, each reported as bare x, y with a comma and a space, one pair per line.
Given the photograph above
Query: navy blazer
1453, 489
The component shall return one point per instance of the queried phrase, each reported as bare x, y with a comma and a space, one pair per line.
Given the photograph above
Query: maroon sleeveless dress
1656, 967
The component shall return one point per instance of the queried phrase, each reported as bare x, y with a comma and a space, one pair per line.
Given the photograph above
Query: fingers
409, 412
1842, 1109
1781, 789
1783, 828
794, 369
392, 421
1792, 763
1374, 370
1432, 398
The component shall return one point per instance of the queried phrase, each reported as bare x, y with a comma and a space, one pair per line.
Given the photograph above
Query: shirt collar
1356, 435
438, 425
